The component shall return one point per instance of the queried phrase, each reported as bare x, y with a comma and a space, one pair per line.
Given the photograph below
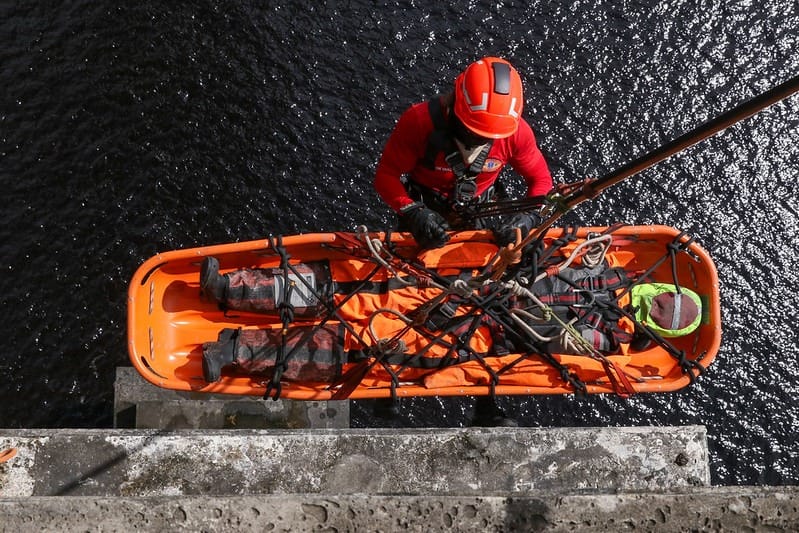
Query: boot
217, 355
212, 284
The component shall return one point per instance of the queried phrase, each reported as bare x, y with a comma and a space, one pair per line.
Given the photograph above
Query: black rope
463, 344
286, 311
484, 304
287, 314
462, 341
673, 245
493, 306
522, 340
477, 210
569, 235
689, 365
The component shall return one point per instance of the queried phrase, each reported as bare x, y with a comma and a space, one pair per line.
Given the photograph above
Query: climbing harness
441, 140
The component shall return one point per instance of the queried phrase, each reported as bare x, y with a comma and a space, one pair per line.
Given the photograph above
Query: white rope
375, 247
605, 240
596, 253
383, 344
461, 288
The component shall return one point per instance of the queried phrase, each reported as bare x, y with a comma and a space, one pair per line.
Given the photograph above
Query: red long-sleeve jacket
406, 147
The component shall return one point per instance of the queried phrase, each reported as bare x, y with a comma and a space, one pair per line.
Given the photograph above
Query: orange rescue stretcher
382, 346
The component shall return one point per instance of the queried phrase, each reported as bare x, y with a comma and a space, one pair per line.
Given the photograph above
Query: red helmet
488, 98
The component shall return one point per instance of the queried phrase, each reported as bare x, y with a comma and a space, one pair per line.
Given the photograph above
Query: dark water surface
131, 128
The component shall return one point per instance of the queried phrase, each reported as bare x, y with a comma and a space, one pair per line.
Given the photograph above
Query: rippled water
129, 129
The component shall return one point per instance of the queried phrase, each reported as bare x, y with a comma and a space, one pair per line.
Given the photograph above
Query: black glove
527, 222
428, 227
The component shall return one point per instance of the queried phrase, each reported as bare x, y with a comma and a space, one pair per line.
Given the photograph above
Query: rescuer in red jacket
448, 152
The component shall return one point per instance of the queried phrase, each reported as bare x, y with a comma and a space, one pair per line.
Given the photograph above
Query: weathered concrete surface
732, 509
471, 461
473, 479
139, 404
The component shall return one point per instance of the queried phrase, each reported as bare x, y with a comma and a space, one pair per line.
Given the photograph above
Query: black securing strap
274, 388
440, 139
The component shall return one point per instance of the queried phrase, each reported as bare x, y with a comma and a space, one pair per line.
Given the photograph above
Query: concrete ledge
694, 509
141, 405
470, 461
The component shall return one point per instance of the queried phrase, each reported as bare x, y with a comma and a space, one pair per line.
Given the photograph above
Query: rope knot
515, 288
423, 282
390, 346
286, 311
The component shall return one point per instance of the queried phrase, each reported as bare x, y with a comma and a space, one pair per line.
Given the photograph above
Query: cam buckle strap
440, 317
595, 320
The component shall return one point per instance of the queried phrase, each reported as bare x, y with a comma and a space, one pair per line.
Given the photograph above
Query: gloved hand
428, 227
527, 222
